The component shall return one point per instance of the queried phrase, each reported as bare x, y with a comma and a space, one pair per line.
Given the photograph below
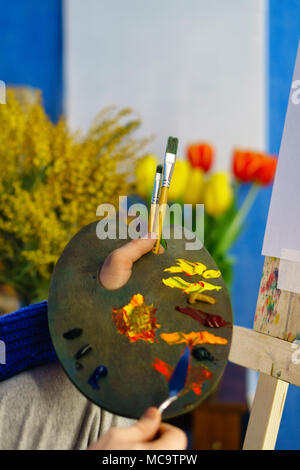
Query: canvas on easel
272, 346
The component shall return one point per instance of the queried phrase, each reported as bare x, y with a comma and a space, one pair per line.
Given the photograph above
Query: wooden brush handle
160, 217
152, 217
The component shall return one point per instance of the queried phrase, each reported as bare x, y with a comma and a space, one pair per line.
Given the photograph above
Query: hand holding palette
120, 347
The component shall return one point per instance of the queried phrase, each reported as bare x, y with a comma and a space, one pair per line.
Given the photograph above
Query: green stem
232, 230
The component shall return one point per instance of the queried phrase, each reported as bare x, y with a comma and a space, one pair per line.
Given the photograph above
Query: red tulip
253, 167
265, 174
246, 164
201, 156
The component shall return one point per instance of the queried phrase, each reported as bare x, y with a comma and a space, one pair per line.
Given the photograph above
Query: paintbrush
177, 380
169, 162
155, 197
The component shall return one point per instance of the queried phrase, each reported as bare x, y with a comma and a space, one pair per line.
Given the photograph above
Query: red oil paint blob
195, 379
206, 319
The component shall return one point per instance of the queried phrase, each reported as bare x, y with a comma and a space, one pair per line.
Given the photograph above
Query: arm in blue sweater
25, 340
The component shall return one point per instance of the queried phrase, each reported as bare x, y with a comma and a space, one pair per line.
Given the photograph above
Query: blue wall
31, 48
283, 31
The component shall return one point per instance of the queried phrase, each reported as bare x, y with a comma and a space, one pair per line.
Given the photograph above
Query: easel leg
265, 413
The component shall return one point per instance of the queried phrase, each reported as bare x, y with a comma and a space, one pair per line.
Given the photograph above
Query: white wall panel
190, 68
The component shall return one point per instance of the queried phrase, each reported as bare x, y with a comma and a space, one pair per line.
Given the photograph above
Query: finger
135, 249
143, 430
139, 247
147, 427
170, 438
117, 267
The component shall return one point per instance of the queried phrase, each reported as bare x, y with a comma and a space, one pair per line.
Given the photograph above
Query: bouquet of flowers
51, 183
194, 182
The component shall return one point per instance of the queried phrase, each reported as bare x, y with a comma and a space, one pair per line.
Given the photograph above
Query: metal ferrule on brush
155, 194
168, 169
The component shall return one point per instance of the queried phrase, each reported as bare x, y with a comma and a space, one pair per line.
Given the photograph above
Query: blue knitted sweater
25, 340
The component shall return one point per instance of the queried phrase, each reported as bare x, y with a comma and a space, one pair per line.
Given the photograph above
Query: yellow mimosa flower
51, 183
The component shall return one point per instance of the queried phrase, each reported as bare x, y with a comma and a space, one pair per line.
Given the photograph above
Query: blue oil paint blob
99, 372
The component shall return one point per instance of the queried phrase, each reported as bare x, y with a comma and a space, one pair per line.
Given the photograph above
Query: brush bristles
172, 145
159, 169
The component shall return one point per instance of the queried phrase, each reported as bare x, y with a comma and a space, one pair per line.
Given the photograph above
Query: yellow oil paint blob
190, 269
207, 299
193, 338
189, 287
211, 274
187, 267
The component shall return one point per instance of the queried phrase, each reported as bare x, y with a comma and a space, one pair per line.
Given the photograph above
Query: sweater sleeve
40, 409
25, 340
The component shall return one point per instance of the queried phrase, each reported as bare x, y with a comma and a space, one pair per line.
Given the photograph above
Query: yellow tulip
218, 194
194, 190
145, 175
179, 180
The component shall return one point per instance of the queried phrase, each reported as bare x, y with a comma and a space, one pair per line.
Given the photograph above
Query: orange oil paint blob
193, 338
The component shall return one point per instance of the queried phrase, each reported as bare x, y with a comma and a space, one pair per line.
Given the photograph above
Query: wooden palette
138, 364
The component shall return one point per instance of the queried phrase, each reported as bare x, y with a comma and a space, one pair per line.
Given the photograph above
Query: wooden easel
268, 349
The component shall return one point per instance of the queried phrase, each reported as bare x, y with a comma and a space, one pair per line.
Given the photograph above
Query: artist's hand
117, 267
149, 433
